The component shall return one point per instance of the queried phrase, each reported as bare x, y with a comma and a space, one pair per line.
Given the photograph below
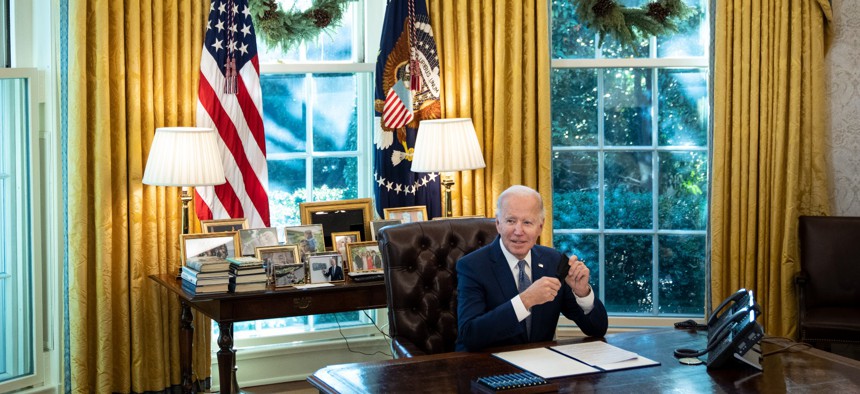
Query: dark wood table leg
227, 359
186, 335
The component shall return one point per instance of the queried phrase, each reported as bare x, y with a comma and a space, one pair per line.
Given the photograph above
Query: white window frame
627, 321
257, 353
34, 32
31, 149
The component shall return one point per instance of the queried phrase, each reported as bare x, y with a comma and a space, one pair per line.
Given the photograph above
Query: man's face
519, 224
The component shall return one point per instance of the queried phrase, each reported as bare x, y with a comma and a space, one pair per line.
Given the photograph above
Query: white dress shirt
586, 303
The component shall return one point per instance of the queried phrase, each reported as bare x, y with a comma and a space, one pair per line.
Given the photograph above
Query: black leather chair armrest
404, 348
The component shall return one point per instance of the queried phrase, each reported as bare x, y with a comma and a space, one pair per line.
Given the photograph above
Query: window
317, 113
19, 324
630, 161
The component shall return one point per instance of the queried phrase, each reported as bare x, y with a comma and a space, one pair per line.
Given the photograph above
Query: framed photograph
378, 224
252, 238
341, 239
339, 216
309, 238
417, 213
283, 265
326, 267
223, 225
224, 244
364, 257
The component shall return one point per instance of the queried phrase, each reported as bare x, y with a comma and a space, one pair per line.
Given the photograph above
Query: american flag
230, 101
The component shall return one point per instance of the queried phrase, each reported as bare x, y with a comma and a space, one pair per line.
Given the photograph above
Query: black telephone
732, 333
734, 302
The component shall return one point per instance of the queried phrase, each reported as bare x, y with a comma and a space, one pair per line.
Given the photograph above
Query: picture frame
339, 216
223, 244
343, 238
378, 224
223, 225
283, 265
309, 238
320, 267
417, 213
364, 257
251, 238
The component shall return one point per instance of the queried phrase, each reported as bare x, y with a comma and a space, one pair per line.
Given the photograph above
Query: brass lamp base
447, 181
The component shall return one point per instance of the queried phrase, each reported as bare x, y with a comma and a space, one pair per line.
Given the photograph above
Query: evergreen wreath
627, 25
286, 29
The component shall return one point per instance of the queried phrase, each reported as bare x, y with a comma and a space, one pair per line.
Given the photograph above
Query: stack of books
206, 275
248, 274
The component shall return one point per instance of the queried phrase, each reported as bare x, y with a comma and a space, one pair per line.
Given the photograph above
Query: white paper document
595, 353
574, 359
545, 363
604, 356
314, 285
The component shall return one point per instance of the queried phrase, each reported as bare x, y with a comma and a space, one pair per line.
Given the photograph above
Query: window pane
335, 113
574, 107
335, 178
286, 191
575, 190
628, 274
284, 116
683, 107
586, 247
682, 274
628, 190
570, 38
627, 112
692, 36
683, 182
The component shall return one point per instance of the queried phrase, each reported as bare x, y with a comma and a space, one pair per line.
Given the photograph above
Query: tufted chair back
419, 261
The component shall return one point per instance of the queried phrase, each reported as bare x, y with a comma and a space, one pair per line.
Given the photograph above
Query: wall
844, 96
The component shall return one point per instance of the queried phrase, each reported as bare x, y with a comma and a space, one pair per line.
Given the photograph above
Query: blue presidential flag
407, 91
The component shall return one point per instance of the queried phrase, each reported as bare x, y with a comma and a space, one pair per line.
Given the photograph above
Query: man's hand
577, 277
542, 291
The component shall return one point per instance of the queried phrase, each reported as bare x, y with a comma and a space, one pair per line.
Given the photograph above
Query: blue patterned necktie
523, 283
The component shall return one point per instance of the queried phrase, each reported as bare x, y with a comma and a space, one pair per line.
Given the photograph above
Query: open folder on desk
574, 359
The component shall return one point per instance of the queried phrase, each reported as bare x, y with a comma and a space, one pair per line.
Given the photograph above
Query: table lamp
444, 146
184, 156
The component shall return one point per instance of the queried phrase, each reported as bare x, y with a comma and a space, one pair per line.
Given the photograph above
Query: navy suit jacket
485, 315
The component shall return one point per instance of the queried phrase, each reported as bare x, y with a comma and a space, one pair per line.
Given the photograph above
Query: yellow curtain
133, 66
494, 60
769, 154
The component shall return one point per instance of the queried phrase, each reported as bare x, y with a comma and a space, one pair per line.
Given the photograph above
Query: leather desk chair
419, 263
828, 285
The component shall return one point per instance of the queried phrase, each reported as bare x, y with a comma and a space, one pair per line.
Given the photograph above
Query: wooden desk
802, 371
227, 308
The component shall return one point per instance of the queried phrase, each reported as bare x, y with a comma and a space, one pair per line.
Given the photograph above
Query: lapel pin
540, 265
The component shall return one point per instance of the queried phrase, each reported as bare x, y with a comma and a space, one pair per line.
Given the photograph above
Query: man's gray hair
519, 190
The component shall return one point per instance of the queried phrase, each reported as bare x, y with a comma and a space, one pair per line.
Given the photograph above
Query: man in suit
508, 292
334, 272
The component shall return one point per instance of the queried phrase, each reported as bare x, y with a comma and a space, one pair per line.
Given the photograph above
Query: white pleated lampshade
445, 145
184, 156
